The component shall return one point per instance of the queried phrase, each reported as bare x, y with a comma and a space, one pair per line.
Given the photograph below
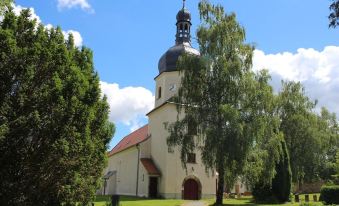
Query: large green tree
54, 127
334, 15
329, 133
220, 96
300, 126
4, 4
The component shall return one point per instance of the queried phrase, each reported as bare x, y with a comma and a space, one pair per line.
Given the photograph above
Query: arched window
186, 28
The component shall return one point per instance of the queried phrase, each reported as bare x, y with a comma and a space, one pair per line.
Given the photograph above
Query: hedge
330, 194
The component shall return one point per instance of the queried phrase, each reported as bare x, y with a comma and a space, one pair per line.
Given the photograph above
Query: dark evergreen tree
280, 187
281, 183
54, 127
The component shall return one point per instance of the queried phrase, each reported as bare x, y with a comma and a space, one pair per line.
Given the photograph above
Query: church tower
168, 80
165, 112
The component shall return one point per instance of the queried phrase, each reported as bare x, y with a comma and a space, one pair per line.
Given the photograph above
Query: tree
277, 190
334, 15
54, 127
282, 181
329, 134
230, 105
301, 131
4, 4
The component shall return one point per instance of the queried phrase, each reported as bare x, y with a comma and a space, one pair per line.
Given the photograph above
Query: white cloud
83, 4
77, 36
128, 105
318, 71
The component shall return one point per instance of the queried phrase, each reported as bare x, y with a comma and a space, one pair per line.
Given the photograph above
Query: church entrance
191, 190
153, 187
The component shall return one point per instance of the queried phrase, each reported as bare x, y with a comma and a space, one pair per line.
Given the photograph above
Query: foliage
330, 194
231, 105
312, 140
280, 188
262, 193
281, 183
329, 129
54, 127
334, 15
300, 127
4, 4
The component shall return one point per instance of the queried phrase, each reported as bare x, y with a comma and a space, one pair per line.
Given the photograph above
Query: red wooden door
191, 190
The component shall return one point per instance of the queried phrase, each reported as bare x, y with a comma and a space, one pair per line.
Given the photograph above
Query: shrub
262, 193
281, 183
330, 194
280, 189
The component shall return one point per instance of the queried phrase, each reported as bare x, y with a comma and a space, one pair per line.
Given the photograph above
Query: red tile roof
130, 140
150, 166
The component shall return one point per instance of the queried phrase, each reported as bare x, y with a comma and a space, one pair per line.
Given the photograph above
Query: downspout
138, 160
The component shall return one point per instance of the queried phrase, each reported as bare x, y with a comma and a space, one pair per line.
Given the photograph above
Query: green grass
135, 201
247, 201
244, 201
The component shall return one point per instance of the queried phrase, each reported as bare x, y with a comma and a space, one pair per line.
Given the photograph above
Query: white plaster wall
143, 182
170, 165
111, 185
165, 80
145, 149
125, 165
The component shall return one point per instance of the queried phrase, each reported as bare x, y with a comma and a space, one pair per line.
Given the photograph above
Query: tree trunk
221, 183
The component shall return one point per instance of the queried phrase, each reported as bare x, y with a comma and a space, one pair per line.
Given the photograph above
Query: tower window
159, 92
186, 28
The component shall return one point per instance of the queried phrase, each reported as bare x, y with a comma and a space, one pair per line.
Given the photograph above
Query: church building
141, 164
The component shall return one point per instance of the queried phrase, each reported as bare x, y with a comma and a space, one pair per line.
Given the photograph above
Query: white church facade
141, 164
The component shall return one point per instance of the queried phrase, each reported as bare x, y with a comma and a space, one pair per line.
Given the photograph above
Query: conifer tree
279, 189
282, 182
54, 127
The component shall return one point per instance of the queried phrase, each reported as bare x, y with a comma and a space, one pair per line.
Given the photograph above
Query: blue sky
128, 38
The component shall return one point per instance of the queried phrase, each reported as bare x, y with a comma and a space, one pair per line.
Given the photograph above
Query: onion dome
182, 45
184, 15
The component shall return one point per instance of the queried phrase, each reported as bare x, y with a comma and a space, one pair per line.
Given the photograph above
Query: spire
183, 26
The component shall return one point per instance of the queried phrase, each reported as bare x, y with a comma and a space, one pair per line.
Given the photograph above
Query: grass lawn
244, 201
247, 201
134, 201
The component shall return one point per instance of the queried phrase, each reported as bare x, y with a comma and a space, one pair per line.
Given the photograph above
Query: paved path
196, 203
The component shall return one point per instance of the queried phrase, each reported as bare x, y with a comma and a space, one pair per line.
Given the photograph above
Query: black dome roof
168, 61
183, 15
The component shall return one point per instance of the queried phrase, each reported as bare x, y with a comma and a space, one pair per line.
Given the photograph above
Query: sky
128, 37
